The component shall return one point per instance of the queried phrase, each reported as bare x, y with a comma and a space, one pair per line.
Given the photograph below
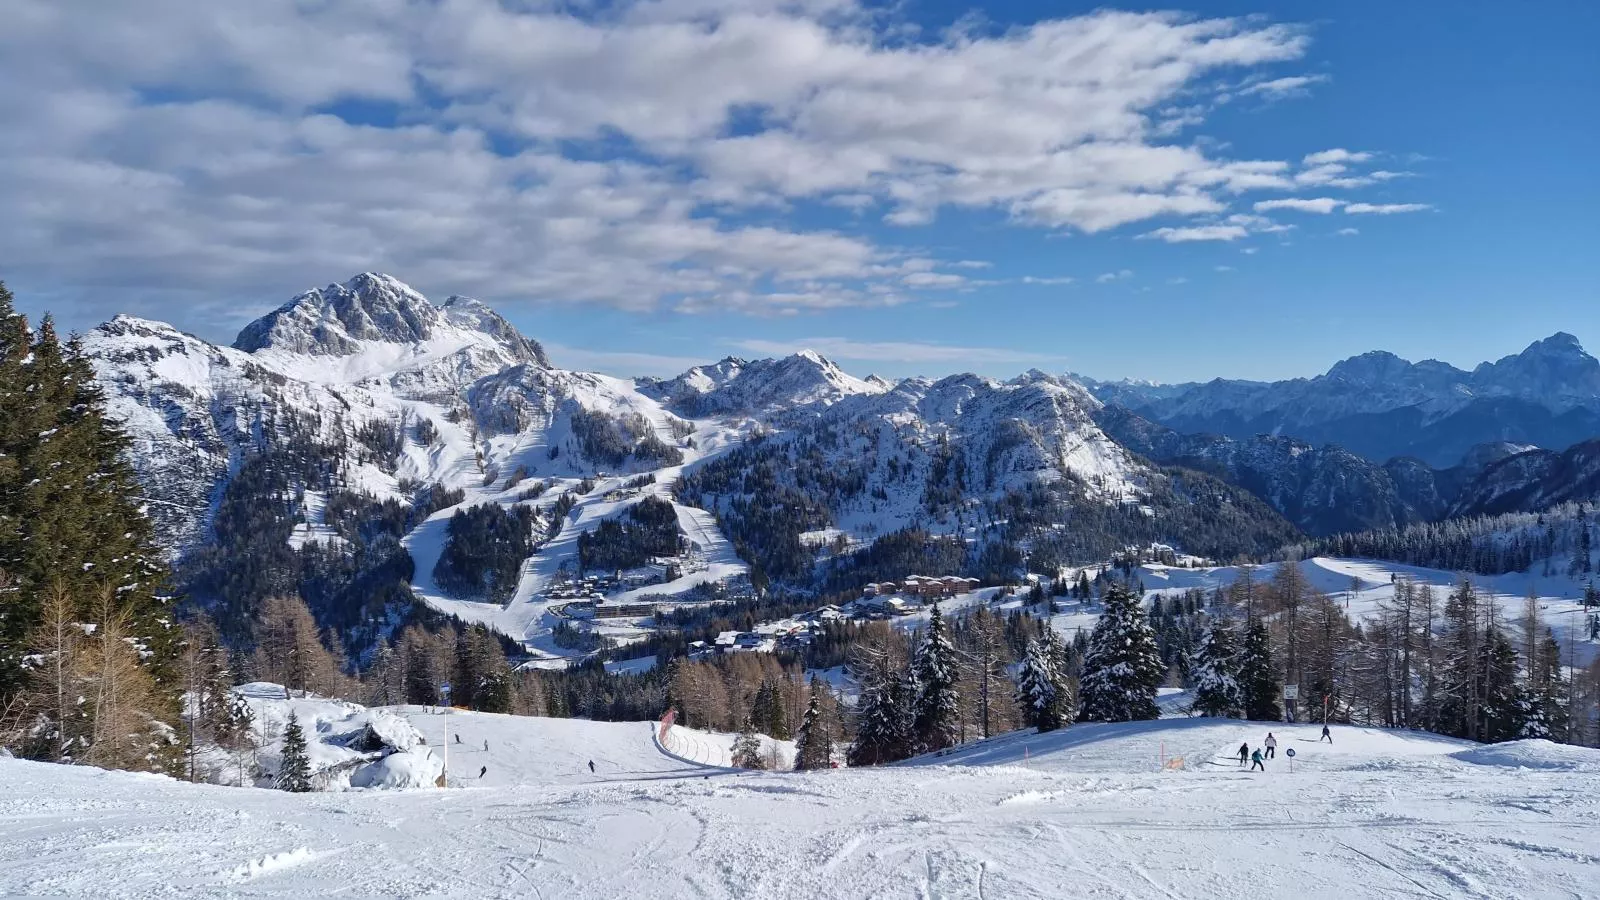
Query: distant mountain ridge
1382, 406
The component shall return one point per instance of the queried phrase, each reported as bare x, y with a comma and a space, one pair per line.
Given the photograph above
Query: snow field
1083, 813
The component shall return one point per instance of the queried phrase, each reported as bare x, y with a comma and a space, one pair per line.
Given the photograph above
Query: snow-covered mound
1533, 754
348, 745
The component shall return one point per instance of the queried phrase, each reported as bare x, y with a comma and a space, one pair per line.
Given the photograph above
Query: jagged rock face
477, 316
1382, 406
376, 330
335, 320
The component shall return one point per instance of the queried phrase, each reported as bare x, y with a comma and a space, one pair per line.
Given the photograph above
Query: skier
1326, 735
486, 745
1255, 761
591, 767
458, 738
1244, 753
1272, 746
483, 771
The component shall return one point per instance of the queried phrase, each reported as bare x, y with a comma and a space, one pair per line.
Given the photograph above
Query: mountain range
1381, 406
361, 415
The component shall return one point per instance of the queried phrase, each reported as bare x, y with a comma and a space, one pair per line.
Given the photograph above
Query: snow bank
1533, 754
348, 744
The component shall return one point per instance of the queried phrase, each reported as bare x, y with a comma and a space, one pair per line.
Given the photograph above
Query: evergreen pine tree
747, 749
884, 732
1217, 691
937, 709
814, 746
1122, 668
1501, 718
294, 769
1036, 689
70, 522
1258, 675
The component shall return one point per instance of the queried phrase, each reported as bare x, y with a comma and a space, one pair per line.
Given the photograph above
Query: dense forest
648, 529
483, 551
1561, 537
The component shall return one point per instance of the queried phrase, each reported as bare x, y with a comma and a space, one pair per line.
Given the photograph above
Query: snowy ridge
765, 386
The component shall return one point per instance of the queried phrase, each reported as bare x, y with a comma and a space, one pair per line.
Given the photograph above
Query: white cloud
1348, 232
1321, 205
1178, 280
1108, 277
1278, 88
1223, 268
838, 348
1198, 233
1385, 209
1336, 155
1052, 280
551, 153
934, 280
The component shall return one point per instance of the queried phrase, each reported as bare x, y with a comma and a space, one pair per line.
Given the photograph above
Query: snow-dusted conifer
884, 732
294, 770
937, 711
814, 746
1216, 673
1036, 689
747, 749
1122, 668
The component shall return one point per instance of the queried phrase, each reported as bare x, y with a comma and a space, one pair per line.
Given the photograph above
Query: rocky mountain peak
332, 321
1373, 367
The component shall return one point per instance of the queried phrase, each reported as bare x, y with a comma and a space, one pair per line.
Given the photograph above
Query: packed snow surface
1085, 812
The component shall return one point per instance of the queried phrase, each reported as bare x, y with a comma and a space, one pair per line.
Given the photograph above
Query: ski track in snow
1084, 812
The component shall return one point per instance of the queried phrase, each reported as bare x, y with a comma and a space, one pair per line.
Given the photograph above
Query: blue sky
1223, 189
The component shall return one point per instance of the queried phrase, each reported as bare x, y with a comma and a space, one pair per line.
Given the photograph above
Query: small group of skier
1254, 757
1269, 750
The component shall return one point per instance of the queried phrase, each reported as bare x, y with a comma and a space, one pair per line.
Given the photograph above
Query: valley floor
1085, 812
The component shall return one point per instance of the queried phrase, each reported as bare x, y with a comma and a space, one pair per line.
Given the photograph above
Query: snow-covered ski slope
1085, 812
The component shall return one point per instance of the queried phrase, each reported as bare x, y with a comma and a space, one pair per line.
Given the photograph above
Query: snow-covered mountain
361, 416
1382, 406
768, 387
332, 416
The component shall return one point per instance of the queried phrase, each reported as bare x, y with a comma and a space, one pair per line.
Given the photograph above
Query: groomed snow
1081, 813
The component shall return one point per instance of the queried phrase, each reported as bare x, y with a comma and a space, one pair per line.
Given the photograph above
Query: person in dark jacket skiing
1244, 753
591, 767
483, 771
1271, 745
1326, 735
1255, 761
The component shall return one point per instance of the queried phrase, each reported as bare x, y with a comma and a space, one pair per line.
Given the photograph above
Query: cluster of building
786, 635
930, 586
